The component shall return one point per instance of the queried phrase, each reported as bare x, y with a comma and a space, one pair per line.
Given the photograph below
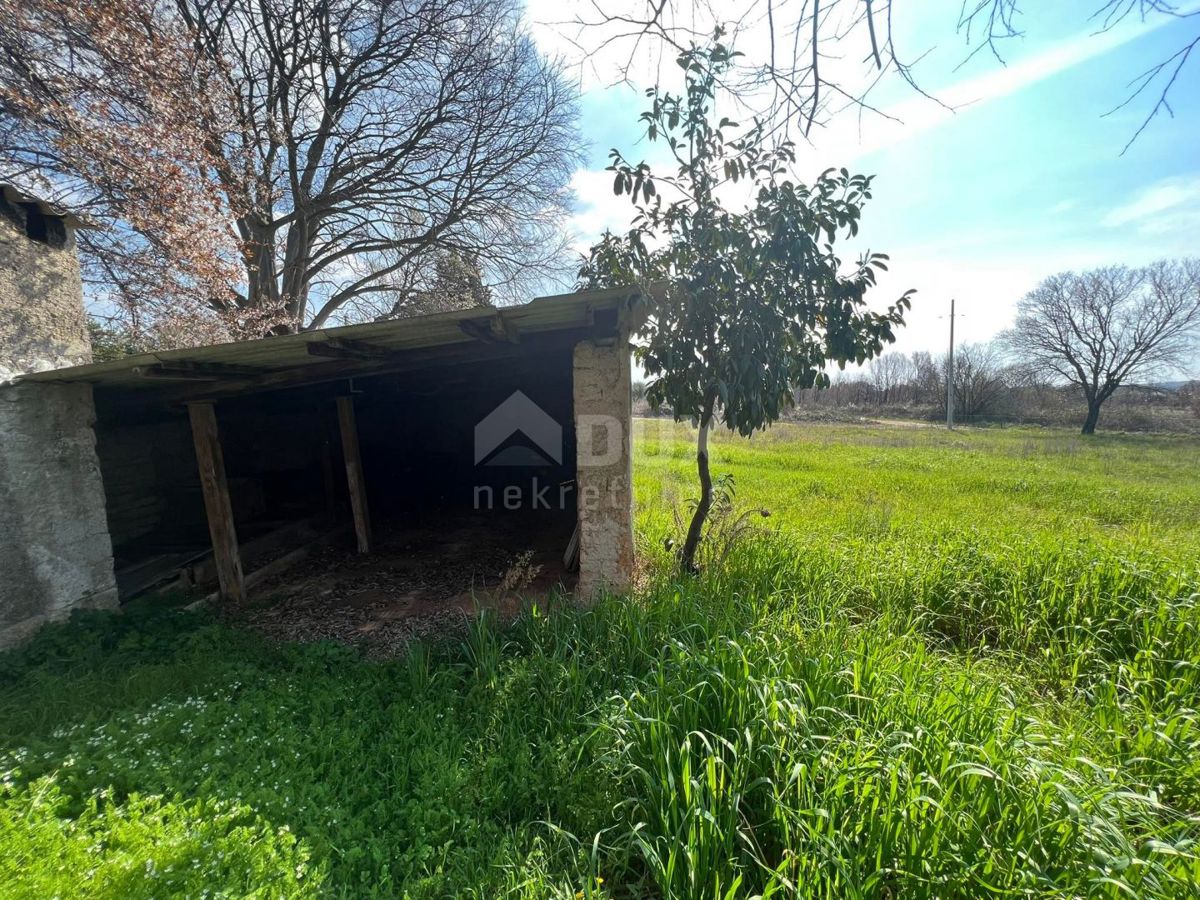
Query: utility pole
950, 373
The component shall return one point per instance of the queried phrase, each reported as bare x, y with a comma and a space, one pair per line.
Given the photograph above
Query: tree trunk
1093, 416
262, 282
687, 556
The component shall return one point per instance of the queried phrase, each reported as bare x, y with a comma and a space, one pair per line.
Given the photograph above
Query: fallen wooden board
275, 566
203, 571
158, 571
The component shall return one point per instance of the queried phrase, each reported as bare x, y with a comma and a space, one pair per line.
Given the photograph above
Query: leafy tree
1101, 328
109, 342
455, 282
753, 302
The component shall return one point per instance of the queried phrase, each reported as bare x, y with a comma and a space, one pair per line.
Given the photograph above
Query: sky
1023, 179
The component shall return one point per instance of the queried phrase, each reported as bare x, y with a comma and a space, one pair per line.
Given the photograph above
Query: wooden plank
354, 473
157, 372
217, 506
279, 565
571, 555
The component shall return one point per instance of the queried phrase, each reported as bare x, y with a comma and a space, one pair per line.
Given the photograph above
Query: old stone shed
116, 476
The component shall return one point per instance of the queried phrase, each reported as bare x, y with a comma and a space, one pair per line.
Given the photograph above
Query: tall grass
830, 750
875, 696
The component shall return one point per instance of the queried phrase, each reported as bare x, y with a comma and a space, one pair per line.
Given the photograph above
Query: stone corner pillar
55, 550
43, 324
604, 475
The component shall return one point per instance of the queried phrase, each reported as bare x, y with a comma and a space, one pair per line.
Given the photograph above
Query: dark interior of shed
283, 457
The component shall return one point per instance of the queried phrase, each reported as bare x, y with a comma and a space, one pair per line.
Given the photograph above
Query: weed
521, 572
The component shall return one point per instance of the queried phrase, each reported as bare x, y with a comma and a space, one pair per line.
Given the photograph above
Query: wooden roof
329, 354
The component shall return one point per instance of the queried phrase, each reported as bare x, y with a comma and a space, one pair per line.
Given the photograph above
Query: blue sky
1025, 179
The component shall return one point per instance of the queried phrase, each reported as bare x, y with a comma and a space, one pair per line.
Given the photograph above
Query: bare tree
979, 381
824, 56
1101, 328
928, 384
345, 146
890, 374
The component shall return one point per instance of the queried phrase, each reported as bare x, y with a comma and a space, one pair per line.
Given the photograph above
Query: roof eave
544, 314
73, 220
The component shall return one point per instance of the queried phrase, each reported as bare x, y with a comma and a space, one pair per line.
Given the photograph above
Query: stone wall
55, 552
603, 466
42, 320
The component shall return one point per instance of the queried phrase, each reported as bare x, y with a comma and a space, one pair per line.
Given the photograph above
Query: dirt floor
416, 583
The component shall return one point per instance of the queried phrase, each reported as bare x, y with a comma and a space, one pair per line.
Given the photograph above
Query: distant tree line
986, 384
1078, 336
1114, 338
991, 386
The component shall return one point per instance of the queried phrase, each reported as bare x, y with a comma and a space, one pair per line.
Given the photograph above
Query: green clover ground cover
946, 665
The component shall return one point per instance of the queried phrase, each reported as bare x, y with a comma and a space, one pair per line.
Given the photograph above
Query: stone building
194, 466
42, 322
55, 552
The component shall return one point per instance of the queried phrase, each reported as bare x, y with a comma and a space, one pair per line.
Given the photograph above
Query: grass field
946, 665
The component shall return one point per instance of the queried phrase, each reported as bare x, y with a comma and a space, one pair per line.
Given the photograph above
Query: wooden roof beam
185, 370
397, 362
346, 348
491, 330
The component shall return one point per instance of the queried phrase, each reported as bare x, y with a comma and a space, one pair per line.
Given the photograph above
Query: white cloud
985, 294
917, 114
600, 63
1161, 208
598, 209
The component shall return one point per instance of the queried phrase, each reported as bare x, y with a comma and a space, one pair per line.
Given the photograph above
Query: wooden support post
216, 501
354, 473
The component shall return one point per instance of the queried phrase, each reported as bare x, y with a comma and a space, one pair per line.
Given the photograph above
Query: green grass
946, 665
